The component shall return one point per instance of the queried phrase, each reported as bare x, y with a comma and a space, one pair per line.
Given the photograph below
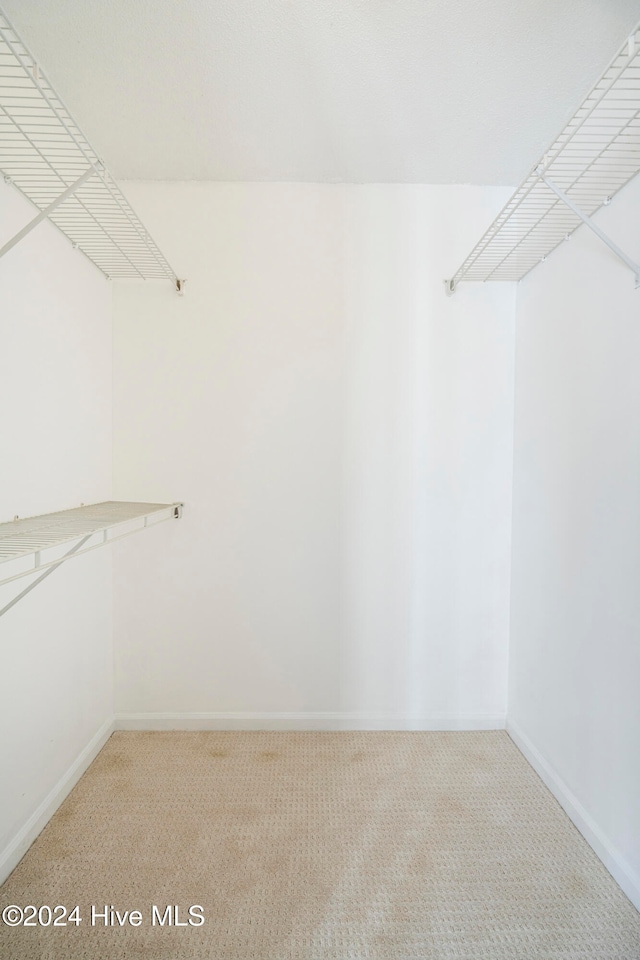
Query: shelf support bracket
48, 210
633, 266
35, 583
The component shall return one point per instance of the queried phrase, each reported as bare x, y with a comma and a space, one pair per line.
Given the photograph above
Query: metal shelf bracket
44, 214
43, 576
633, 266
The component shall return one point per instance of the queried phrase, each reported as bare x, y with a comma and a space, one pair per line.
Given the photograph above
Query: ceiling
431, 91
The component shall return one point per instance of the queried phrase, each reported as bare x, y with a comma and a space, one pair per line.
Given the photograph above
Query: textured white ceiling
433, 91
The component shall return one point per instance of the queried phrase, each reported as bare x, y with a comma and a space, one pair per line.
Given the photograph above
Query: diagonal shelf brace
44, 575
633, 266
45, 213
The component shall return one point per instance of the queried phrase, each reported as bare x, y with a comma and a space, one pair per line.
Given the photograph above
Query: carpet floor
316, 846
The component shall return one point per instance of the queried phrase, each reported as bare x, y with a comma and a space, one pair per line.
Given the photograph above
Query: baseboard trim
305, 721
620, 870
16, 849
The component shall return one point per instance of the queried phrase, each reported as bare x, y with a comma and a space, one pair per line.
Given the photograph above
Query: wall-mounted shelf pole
44, 214
633, 266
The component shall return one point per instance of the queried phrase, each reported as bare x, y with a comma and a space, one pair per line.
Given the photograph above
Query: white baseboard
304, 721
11, 856
620, 870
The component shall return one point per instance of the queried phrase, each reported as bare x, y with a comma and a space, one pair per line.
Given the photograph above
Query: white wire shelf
596, 154
38, 543
44, 154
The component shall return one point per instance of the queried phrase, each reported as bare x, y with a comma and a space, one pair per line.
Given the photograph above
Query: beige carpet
319, 846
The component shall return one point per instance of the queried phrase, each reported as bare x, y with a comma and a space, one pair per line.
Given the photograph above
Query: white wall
574, 702
341, 433
56, 681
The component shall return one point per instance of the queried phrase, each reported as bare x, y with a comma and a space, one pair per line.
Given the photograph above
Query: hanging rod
596, 154
44, 154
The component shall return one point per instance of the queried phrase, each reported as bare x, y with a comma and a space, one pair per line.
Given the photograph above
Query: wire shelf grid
43, 153
597, 153
31, 536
